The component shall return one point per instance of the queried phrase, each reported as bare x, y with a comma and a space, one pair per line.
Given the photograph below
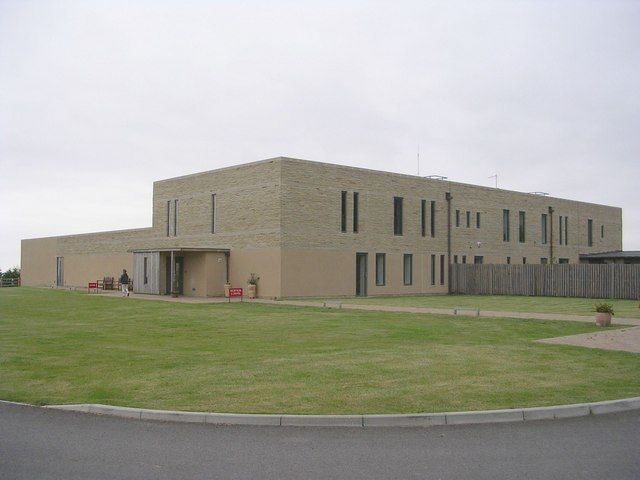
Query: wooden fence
557, 280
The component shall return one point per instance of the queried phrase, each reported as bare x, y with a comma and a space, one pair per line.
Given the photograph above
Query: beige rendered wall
265, 263
87, 257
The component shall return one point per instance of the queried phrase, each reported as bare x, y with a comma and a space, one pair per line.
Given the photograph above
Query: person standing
124, 283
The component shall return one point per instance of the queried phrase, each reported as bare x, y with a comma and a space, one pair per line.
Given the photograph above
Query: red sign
235, 292
92, 286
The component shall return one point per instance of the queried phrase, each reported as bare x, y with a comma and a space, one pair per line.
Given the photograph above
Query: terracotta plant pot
603, 319
251, 290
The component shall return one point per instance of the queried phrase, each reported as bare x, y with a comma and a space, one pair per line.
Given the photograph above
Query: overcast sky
99, 99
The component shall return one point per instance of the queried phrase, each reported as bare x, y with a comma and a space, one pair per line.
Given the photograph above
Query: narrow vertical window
355, 212
561, 229
477, 219
433, 218
423, 217
508, 260
408, 269
144, 270
168, 216
505, 226
455, 259
524, 260
343, 225
441, 269
566, 230
590, 232
543, 229
521, 227
380, 269
457, 218
464, 259
433, 269
175, 217
213, 213
468, 218
601, 231
397, 215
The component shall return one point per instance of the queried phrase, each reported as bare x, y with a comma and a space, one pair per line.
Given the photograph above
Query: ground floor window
441, 269
433, 269
408, 269
563, 260
478, 259
380, 269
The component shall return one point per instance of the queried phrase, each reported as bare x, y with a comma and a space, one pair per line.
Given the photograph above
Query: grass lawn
63, 347
570, 306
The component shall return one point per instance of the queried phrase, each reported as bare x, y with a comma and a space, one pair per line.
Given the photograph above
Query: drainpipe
173, 274
448, 197
226, 255
551, 235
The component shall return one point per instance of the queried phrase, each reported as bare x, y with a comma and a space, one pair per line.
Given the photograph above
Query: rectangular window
423, 217
561, 229
433, 218
601, 231
343, 216
457, 218
397, 215
468, 218
213, 213
175, 218
566, 230
455, 259
380, 269
563, 260
464, 259
168, 216
441, 269
508, 260
543, 229
543, 261
505, 226
433, 269
477, 219
590, 232
521, 227
355, 211
408, 269
478, 259
524, 260
144, 269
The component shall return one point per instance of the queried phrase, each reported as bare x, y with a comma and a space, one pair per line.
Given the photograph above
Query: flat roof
613, 254
179, 249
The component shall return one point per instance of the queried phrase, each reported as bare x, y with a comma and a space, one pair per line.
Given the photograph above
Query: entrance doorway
179, 272
60, 271
361, 274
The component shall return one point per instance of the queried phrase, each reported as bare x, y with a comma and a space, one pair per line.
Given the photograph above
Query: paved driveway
44, 444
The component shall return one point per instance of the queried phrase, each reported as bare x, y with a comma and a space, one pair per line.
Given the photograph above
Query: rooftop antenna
495, 175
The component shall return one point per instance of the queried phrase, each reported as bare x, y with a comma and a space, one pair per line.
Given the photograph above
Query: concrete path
468, 312
625, 339
47, 444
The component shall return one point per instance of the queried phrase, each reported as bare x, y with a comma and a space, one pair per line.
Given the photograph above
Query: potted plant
604, 311
252, 285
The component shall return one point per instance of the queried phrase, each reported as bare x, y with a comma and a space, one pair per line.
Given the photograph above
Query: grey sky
99, 99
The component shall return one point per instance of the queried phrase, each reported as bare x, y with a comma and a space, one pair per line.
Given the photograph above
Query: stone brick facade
282, 219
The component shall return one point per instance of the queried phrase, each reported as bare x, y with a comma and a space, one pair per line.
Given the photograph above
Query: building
316, 229
626, 258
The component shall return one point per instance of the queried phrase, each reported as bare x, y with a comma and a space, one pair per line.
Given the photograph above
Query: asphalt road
43, 444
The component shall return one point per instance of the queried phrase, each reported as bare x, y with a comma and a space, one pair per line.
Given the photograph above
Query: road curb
395, 420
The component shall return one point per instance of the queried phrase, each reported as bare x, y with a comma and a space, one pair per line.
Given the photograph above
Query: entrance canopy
162, 270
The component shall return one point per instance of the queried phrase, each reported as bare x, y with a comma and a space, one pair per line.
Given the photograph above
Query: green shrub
604, 308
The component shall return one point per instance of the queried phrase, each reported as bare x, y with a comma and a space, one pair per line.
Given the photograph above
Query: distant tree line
11, 273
